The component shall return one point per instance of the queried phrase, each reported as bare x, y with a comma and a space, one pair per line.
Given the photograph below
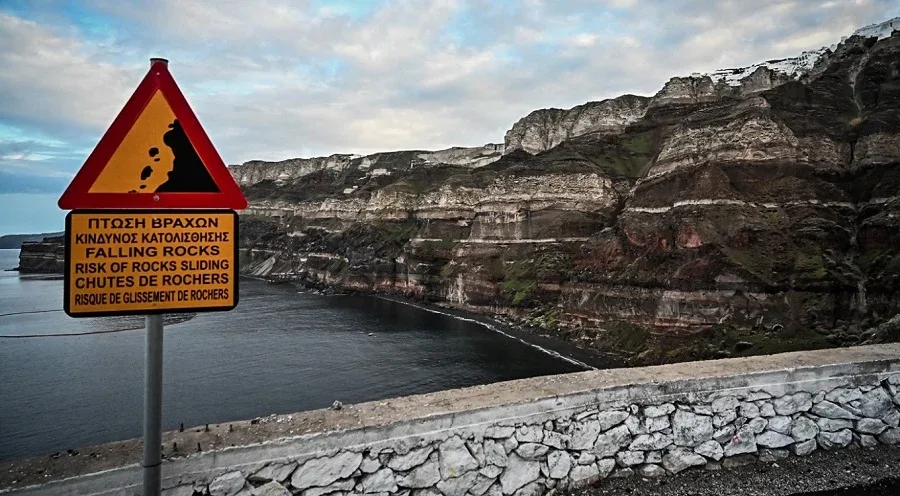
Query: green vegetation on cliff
723, 223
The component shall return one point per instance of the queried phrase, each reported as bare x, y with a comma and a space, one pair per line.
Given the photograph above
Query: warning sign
121, 262
155, 155
145, 161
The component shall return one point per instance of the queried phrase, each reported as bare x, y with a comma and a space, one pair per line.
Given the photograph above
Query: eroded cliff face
254, 171
544, 129
711, 219
43, 257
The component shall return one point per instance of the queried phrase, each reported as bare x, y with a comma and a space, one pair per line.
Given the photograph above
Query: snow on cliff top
795, 66
881, 29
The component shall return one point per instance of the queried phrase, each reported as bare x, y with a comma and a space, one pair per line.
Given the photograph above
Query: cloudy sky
276, 79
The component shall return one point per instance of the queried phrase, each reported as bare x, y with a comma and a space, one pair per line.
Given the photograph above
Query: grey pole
153, 406
153, 372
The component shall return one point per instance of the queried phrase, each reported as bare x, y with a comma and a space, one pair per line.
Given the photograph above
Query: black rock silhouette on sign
188, 173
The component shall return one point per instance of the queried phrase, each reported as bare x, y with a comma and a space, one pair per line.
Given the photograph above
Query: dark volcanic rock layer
43, 257
744, 221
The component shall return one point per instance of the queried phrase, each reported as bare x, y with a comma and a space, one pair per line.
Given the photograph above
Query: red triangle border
77, 195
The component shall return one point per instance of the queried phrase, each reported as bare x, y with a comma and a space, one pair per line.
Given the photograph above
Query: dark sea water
279, 351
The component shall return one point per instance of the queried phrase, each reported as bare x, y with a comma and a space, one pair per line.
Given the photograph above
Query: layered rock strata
47, 256
544, 129
708, 226
254, 171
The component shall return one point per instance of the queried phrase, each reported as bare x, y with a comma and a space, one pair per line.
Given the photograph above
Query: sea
67, 383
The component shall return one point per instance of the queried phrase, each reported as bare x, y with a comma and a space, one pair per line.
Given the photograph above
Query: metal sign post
153, 406
152, 230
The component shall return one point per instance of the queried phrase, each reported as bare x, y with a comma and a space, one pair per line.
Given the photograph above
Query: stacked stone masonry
531, 459
543, 435
652, 440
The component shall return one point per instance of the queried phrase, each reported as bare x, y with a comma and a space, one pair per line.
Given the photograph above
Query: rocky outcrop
255, 171
544, 129
690, 90
47, 256
470, 157
364, 166
715, 219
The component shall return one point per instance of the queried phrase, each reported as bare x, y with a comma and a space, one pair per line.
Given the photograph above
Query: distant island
14, 241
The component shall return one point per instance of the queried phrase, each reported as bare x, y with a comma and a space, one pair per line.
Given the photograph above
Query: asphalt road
856, 472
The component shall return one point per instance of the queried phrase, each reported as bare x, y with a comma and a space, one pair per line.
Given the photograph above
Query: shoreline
554, 347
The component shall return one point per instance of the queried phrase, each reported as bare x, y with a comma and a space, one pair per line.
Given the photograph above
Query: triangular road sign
154, 155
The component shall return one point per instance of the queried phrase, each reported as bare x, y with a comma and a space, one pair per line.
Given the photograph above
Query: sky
273, 79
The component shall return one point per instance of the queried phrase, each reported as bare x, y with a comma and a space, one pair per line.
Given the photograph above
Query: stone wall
533, 436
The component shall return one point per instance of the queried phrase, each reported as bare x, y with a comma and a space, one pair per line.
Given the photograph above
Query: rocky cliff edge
723, 216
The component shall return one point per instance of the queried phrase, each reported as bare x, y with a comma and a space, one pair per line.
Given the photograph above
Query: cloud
274, 80
55, 83
12, 181
36, 164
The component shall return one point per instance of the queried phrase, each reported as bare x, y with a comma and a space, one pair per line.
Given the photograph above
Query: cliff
546, 128
255, 171
47, 256
746, 211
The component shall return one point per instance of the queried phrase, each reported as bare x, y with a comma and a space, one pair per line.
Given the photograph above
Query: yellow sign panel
121, 262
142, 162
